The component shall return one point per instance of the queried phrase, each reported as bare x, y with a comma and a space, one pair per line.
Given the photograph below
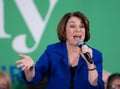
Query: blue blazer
54, 63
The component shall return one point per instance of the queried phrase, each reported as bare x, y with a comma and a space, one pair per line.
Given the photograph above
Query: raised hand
26, 62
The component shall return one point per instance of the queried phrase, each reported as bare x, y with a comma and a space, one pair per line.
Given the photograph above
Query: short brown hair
7, 78
61, 32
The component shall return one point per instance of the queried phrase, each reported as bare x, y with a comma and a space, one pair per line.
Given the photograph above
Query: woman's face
75, 31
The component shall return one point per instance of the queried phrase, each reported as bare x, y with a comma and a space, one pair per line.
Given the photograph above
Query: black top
72, 69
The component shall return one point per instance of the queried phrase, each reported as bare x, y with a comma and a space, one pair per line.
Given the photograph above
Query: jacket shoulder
56, 46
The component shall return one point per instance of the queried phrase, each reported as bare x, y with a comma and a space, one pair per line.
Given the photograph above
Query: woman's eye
72, 26
82, 26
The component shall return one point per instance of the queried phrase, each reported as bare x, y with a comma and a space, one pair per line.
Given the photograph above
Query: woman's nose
77, 29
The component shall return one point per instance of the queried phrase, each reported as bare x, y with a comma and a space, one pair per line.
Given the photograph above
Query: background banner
28, 26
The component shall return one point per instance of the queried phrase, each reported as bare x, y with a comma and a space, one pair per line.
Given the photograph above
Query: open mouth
77, 37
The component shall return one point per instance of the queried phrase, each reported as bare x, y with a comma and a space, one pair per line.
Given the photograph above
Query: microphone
87, 55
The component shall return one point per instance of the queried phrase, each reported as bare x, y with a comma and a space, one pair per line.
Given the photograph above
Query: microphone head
80, 43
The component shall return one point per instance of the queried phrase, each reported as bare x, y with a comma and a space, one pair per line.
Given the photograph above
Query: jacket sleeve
41, 69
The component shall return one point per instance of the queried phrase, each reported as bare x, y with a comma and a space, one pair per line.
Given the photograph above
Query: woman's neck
73, 54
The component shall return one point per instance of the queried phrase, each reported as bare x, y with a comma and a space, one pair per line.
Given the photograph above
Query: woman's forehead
74, 20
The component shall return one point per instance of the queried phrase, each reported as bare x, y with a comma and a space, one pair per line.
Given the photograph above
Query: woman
64, 62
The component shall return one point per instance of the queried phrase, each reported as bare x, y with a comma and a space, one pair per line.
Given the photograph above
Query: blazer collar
61, 49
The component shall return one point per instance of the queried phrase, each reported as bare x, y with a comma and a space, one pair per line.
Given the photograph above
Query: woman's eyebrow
71, 22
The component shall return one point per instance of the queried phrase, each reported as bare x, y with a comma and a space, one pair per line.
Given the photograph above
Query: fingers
22, 56
25, 63
27, 68
24, 68
85, 49
19, 61
20, 65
